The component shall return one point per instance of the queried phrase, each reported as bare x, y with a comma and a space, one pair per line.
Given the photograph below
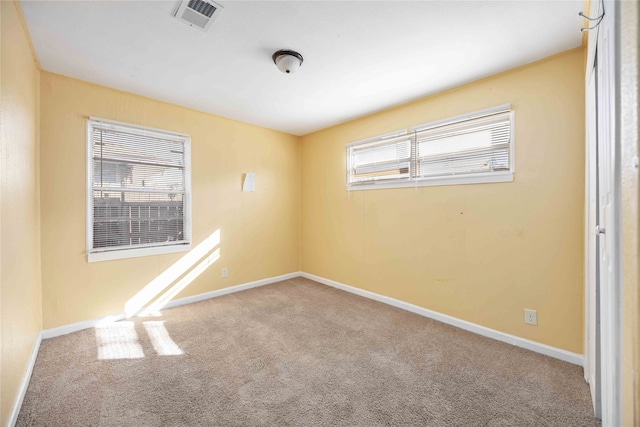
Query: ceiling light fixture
287, 61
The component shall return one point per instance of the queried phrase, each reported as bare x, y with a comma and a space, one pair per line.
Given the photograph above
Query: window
474, 148
138, 191
384, 158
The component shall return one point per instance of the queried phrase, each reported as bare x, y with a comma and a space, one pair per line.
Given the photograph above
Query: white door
592, 361
603, 304
608, 223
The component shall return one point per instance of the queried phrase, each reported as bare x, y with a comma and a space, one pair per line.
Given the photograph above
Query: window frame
467, 178
108, 254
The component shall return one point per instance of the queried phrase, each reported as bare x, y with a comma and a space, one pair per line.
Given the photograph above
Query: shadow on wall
119, 340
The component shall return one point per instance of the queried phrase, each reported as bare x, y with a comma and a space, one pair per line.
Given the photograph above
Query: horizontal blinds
138, 187
475, 145
384, 159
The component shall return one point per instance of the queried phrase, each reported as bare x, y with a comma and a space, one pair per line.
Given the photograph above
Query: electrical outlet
225, 272
530, 317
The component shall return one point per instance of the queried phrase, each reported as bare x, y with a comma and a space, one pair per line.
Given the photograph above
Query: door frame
604, 39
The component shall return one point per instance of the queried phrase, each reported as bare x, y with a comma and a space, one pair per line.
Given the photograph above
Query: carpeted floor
297, 353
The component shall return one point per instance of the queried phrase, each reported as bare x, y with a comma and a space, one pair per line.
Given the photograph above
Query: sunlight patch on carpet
118, 340
160, 339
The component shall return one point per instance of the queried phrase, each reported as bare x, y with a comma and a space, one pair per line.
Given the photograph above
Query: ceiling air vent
198, 13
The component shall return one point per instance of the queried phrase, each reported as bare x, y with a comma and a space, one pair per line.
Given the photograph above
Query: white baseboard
230, 290
24, 383
86, 324
557, 353
567, 356
79, 326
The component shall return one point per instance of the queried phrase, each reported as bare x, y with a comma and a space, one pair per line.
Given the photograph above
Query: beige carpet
297, 353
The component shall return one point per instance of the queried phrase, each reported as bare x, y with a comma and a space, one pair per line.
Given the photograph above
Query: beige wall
483, 252
21, 304
259, 231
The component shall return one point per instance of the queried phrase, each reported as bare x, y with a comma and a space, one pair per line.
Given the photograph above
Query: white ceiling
359, 57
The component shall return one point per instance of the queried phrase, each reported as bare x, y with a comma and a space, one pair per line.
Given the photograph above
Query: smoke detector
198, 13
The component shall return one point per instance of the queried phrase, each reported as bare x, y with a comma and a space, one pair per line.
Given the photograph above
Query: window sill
134, 253
483, 178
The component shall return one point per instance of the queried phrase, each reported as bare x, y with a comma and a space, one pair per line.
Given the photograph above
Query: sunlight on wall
160, 339
118, 341
162, 301
167, 277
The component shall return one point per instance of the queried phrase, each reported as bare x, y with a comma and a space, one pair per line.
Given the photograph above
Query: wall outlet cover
530, 317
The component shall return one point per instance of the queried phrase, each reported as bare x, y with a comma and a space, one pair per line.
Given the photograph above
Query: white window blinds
475, 145
386, 159
470, 146
138, 188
